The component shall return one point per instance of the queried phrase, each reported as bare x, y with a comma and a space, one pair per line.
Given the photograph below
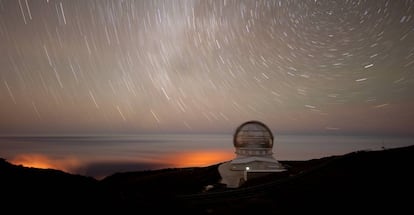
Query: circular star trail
206, 66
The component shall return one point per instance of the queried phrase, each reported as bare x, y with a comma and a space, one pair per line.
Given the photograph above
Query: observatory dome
253, 143
253, 136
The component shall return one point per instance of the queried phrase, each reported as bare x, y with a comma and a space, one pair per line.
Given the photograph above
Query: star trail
92, 66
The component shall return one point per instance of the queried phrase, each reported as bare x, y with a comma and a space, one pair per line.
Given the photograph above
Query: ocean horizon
102, 155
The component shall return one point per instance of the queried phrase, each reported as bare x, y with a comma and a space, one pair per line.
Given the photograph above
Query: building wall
256, 165
234, 175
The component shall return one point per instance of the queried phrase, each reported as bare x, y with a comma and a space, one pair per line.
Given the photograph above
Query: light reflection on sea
99, 156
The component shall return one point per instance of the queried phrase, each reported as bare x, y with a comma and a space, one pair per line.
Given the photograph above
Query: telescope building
253, 142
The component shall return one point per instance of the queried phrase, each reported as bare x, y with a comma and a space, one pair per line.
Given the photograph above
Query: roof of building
253, 134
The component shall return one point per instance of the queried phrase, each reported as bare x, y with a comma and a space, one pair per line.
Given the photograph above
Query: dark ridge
41, 190
136, 191
360, 182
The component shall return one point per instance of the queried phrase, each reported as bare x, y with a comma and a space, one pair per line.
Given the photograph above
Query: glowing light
200, 158
44, 162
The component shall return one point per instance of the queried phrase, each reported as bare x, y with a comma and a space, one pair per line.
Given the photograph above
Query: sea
99, 156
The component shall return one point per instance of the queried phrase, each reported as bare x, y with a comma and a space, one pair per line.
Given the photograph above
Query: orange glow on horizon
44, 162
200, 158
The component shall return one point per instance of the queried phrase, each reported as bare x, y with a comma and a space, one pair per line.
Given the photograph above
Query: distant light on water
68, 164
200, 158
99, 156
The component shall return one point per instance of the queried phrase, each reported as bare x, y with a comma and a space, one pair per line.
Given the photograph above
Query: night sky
114, 67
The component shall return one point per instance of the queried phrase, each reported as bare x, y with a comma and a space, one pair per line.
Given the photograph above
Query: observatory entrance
253, 142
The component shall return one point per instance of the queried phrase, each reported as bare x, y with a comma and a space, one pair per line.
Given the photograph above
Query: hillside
42, 190
370, 182
373, 182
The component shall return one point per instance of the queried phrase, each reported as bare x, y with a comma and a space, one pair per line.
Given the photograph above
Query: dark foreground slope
372, 182
360, 182
49, 191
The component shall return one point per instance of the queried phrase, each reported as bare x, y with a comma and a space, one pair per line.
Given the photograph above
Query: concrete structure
253, 142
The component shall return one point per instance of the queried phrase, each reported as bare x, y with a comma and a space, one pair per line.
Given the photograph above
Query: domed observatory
253, 138
253, 142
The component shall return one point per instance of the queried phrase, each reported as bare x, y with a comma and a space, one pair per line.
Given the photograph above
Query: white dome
253, 142
253, 135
